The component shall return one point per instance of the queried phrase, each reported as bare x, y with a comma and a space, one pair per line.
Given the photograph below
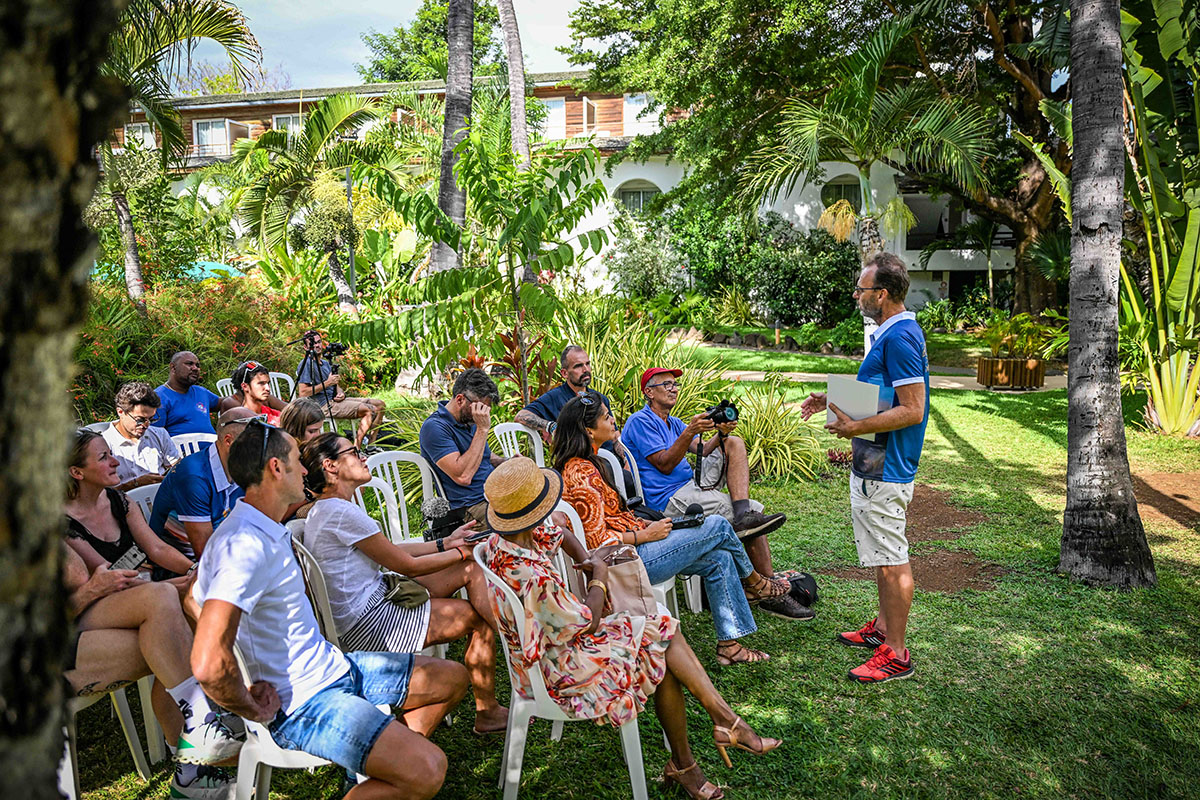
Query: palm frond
330, 117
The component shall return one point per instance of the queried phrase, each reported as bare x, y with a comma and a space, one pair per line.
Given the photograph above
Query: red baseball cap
650, 373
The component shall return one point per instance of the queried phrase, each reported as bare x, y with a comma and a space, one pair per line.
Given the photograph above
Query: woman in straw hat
591, 663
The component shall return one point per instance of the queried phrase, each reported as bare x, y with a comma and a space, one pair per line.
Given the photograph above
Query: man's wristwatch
552, 427
441, 545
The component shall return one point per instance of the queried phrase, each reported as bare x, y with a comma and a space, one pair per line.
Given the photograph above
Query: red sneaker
866, 636
884, 666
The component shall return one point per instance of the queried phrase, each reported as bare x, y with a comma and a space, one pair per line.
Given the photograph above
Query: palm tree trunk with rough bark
516, 80
52, 52
135, 285
1103, 540
460, 43
341, 285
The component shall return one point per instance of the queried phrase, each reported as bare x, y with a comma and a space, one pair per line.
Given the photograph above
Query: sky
318, 41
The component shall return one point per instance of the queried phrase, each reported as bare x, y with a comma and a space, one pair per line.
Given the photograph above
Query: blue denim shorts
340, 723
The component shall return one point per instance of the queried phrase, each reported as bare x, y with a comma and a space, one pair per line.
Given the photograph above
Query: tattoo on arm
531, 420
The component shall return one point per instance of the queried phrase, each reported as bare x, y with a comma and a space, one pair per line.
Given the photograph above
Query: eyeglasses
587, 399
247, 420
140, 421
860, 289
362, 455
668, 385
267, 428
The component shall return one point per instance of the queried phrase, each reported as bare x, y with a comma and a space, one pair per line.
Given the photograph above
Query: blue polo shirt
197, 490
314, 371
897, 358
186, 413
441, 435
644, 434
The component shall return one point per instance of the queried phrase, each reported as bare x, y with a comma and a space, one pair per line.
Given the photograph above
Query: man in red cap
660, 444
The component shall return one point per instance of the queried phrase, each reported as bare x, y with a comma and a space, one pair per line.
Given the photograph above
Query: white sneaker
207, 783
208, 743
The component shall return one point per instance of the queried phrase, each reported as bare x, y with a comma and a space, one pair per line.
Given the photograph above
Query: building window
292, 123
845, 188
554, 126
142, 133
635, 121
210, 137
635, 195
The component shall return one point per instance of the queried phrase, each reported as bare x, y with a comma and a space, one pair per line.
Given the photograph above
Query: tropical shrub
734, 310
779, 444
714, 239
811, 336
808, 279
643, 264
848, 335
936, 314
692, 309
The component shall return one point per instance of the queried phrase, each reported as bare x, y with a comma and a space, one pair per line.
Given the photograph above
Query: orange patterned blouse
598, 505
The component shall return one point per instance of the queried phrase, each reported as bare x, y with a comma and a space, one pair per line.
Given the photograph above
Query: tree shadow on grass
1041, 412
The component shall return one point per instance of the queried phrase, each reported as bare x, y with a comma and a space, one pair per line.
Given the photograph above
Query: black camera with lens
722, 412
334, 349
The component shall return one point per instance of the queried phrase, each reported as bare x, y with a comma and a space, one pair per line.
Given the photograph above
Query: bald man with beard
186, 406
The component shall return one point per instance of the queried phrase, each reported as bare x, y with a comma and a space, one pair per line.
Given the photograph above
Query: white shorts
877, 511
714, 501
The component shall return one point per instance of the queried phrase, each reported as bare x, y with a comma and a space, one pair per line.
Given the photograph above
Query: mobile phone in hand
478, 536
130, 559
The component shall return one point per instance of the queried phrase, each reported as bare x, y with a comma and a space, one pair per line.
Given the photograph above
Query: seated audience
710, 550
350, 548
198, 494
102, 525
303, 419
187, 406
252, 389
126, 629
542, 414
661, 443
315, 378
595, 665
144, 452
454, 441
311, 696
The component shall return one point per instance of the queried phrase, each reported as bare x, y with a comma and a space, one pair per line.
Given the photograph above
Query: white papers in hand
856, 399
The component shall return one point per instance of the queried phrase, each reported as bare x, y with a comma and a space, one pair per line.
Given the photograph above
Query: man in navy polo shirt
187, 406
576, 370
884, 466
198, 493
454, 442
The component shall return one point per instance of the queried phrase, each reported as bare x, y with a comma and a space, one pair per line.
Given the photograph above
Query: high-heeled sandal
734, 649
707, 791
727, 737
766, 589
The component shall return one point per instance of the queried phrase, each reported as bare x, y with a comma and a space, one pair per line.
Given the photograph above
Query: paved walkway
935, 381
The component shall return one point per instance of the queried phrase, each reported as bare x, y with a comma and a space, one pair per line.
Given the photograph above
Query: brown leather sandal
766, 589
737, 653
727, 737
707, 790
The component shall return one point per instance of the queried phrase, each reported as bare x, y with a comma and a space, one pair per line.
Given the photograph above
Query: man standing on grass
883, 468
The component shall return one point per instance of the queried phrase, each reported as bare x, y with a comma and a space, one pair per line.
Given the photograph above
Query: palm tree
154, 35
516, 80
460, 47
865, 121
295, 167
978, 234
1103, 540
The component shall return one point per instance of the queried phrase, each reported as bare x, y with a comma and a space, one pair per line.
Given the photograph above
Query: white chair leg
262, 782
156, 745
68, 774
631, 744
556, 729
247, 772
694, 603
513, 758
121, 704
512, 715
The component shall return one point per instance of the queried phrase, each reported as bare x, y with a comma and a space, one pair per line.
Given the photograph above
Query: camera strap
700, 464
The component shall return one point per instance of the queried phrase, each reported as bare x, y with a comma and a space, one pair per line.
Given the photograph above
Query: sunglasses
140, 421
362, 455
247, 420
267, 428
587, 399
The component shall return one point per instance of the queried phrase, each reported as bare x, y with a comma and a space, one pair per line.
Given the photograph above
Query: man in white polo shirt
311, 696
144, 452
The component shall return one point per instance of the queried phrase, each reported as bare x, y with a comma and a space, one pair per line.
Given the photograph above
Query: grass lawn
1037, 687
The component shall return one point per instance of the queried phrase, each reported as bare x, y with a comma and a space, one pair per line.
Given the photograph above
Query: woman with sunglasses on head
711, 550
351, 547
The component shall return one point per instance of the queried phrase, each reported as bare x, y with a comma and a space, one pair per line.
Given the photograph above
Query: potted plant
1016, 346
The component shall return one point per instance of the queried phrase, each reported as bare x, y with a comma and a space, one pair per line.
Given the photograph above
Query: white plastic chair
225, 387
394, 515
296, 529
387, 467
70, 766
144, 497
189, 443
522, 709
97, 427
314, 580
508, 435
692, 583
278, 381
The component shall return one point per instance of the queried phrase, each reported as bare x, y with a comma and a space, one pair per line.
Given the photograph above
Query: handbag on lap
628, 584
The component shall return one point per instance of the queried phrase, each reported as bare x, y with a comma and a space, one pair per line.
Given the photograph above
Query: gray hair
571, 348
890, 274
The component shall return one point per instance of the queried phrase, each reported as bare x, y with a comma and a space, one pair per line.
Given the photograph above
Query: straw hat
520, 495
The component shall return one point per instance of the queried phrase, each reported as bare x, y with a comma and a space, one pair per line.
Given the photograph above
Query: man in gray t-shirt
315, 378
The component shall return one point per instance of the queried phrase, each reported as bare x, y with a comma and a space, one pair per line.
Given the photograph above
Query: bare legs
370, 414
895, 599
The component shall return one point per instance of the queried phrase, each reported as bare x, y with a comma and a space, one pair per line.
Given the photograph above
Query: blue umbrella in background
212, 269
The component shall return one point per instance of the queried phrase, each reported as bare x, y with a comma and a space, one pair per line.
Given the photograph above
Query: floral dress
606, 675
598, 505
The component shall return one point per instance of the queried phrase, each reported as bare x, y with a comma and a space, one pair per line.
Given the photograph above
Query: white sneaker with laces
205, 783
208, 743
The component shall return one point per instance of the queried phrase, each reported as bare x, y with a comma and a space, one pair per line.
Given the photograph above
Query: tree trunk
1033, 292
460, 43
346, 299
1103, 541
52, 50
134, 283
516, 80
870, 241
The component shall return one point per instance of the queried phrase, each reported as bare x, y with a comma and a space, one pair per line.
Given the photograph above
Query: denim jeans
713, 552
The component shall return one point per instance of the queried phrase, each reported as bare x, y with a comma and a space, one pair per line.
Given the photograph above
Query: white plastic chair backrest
637, 478
97, 427
189, 443
279, 380
572, 577
328, 425
386, 466
296, 529
508, 434
394, 515
318, 591
614, 464
225, 387
144, 497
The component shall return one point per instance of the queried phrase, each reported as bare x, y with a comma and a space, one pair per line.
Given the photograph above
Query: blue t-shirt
441, 435
313, 371
550, 405
897, 358
186, 413
644, 434
197, 490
